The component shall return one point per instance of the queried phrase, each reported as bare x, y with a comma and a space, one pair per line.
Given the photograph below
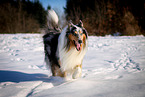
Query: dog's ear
70, 24
85, 32
80, 24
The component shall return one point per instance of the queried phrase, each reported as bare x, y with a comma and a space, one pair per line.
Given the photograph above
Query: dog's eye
74, 30
75, 34
81, 33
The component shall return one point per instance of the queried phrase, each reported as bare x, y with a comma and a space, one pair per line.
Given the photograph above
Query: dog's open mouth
77, 45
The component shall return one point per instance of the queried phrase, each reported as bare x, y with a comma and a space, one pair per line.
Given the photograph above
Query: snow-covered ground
112, 67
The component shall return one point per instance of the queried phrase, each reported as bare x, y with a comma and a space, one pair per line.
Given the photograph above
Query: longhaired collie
65, 50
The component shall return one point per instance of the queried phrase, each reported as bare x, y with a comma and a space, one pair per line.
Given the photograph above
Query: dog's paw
77, 73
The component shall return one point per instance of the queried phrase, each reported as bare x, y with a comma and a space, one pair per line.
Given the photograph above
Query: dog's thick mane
69, 58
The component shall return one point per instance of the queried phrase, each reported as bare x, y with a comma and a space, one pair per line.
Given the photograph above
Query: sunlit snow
112, 67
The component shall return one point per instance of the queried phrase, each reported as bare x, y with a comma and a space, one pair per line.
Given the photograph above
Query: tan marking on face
73, 38
70, 43
84, 39
80, 32
76, 32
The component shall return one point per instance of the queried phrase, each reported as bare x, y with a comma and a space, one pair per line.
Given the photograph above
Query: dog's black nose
80, 41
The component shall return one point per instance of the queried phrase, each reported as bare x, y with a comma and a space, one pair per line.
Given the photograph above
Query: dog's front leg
77, 72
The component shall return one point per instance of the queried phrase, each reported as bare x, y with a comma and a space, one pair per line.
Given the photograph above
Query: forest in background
21, 16
100, 17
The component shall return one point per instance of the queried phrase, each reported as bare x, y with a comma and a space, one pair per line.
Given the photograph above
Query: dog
65, 50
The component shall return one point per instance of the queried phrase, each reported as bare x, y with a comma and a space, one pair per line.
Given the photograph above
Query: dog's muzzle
78, 44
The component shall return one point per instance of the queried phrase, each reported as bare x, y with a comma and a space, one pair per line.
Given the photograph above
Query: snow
112, 67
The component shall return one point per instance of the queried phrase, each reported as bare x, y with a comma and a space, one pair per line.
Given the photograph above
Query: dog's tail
52, 21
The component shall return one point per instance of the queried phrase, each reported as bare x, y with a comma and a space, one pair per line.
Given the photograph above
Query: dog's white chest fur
69, 59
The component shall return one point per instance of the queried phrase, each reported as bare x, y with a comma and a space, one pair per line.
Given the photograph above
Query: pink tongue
78, 47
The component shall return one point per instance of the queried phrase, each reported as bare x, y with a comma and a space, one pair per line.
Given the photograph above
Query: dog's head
77, 35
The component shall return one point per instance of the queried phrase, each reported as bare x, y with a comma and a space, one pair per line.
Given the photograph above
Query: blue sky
55, 4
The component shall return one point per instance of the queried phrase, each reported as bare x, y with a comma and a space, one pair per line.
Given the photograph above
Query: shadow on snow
16, 76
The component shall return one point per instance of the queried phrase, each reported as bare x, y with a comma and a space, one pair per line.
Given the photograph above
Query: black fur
85, 32
71, 30
50, 47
